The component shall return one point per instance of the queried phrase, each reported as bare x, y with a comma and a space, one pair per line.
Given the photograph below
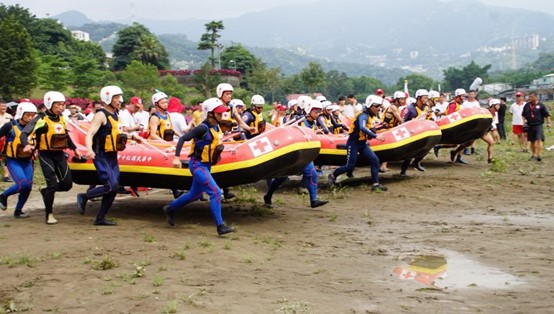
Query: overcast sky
113, 10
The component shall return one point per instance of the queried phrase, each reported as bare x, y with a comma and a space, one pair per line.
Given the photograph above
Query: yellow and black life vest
338, 128
56, 137
327, 121
165, 128
13, 147
110, 136
391, 122
209, 147
258, 117
354, 126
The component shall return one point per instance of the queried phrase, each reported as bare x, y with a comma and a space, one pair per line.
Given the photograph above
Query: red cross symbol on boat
260, 146
401, 133
455, 116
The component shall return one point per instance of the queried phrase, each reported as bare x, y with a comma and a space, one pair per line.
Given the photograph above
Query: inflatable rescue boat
464, 125
278, 152
409, 140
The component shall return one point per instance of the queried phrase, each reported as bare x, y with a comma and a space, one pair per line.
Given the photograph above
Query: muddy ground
493, 229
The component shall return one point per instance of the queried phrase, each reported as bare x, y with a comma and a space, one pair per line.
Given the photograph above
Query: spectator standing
534, 113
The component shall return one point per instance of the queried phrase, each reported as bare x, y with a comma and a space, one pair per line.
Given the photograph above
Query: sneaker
6, 179
22, 215
436, 151
378, 187
532, 158
319, 173
3, 202
350, 175
169, 215
489, 161
460, 160
473, 151
223, 229
452, 155
466, 151
539, 159
267, 202
50, 220
229, 196
318, 203
105, 223
331, 180
418, 167
81, 203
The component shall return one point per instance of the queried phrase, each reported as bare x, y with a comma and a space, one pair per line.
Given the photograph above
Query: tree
208, 41
140, 79
363, 86
238, 58
415, 82
206, 81
137, 43
86, 78
545, 62
53, 73
314, 77
261, 80
462, 78
338, 84
17, 59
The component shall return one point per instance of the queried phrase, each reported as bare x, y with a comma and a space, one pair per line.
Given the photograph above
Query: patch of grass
206, 244
333, 217
57, 255
227, 245
6, 225
105, 263
106, 291
12, 261
319, 271
158, 281
498, 165
246, 194
248, 259
260, 211
162, 268
170, 308
181, 255
144, 263
138, 272
295, 307
87, 260
149, 238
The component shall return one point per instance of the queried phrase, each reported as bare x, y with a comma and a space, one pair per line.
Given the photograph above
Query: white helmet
157, 97
434, 94
410, 100
386, 104
373, 100
52, 97
223, 87
459, 92
257, 100
303, 101
313, 104
326, 104
107, 93
493, 102
215, 105
237, 102
335, 108
399, 94
321, 98
421, 92
292, 103
24, 107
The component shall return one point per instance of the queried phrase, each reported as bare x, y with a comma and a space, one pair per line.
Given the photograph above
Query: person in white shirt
95, 106
471, 101
127, 120
141, 116
352, 107
516, 109
175, 109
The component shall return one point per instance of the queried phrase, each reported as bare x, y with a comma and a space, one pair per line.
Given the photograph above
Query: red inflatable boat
464, 125
278, 152
411, 139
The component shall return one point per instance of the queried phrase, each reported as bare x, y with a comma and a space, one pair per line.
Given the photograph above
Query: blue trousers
355, 147
108, 173
309, 179
202, 181
21, 171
